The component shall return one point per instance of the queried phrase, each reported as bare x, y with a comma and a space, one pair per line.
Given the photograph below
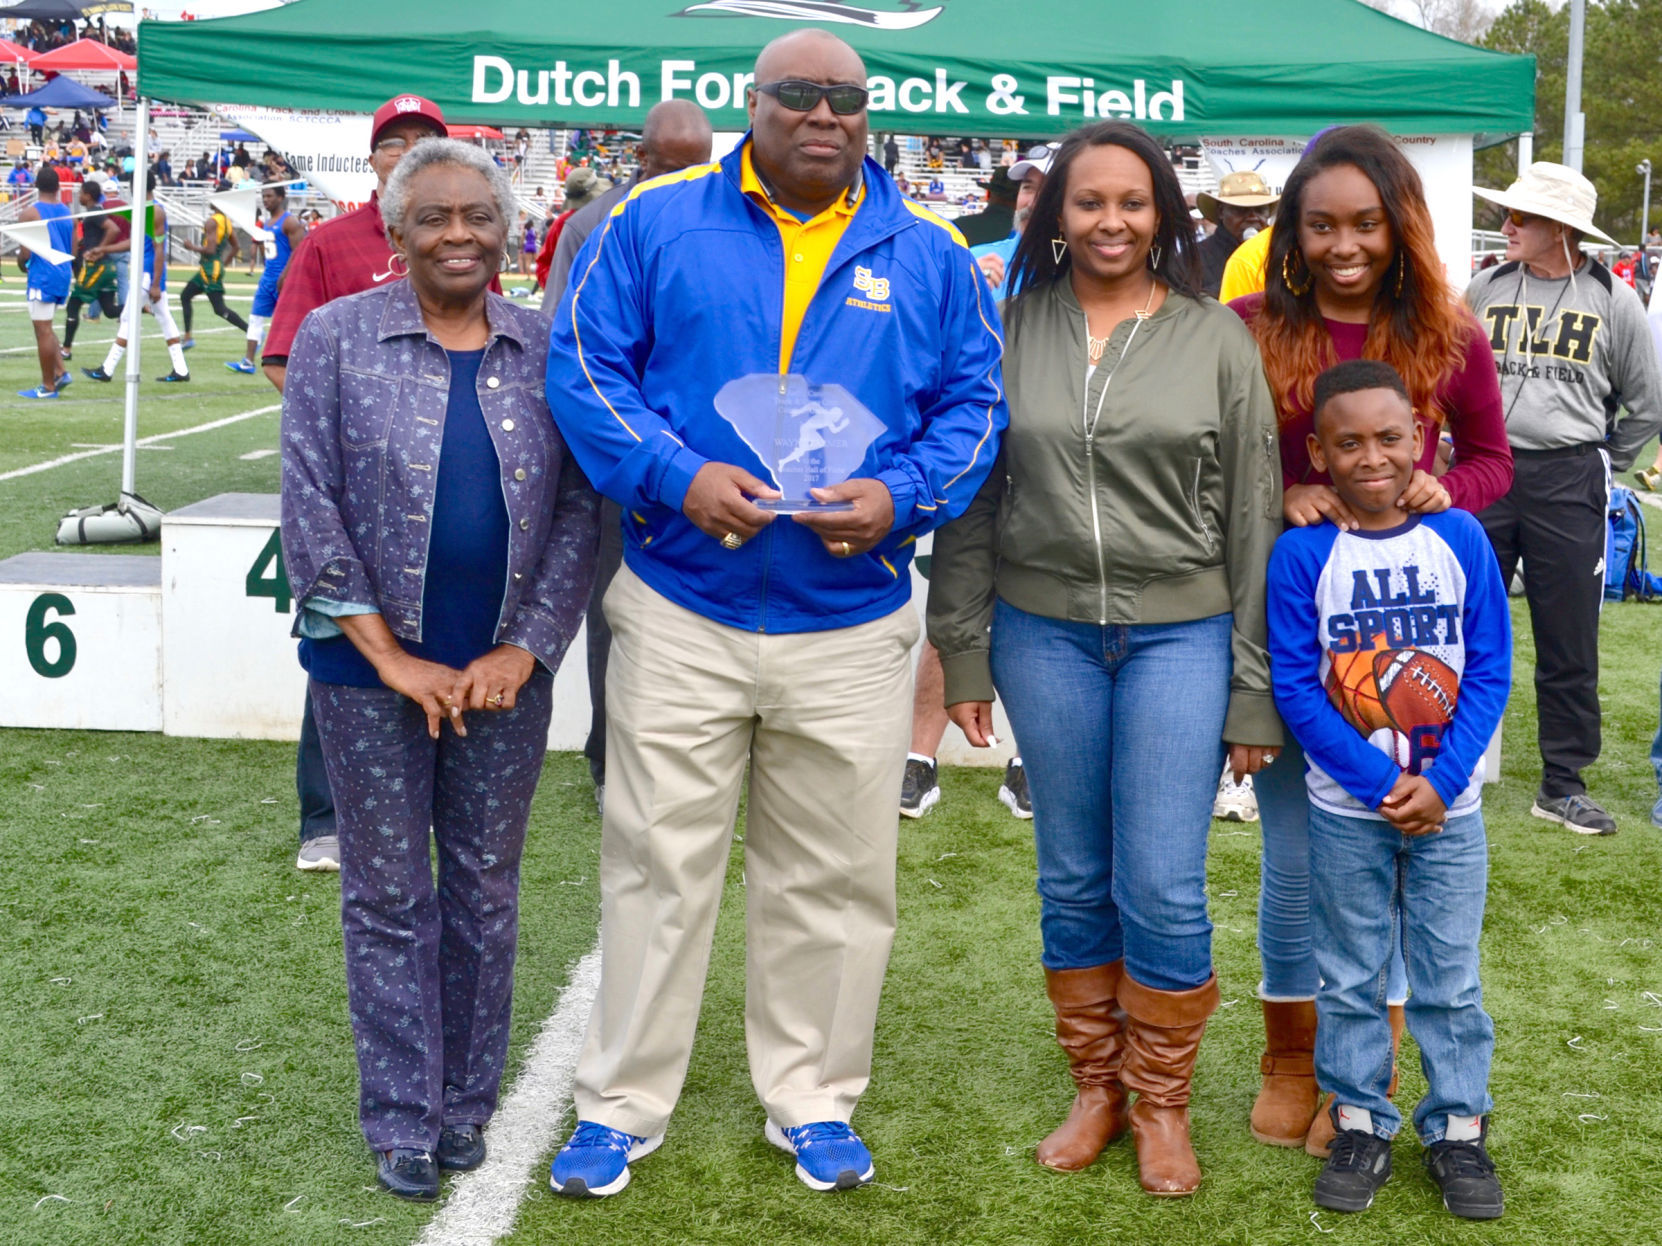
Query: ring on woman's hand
847, 548
1269, 756
732, 540
496, 700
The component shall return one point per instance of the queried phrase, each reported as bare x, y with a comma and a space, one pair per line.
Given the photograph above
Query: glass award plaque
807, 436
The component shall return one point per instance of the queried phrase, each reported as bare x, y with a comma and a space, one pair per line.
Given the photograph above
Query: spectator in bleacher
891, 155
676, 136
1242, 207
36, 120
997, 220
20, 175
933, 159
937, 189
431, 646
343, 256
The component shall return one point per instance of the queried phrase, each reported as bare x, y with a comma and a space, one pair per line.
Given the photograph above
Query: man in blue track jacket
741, 637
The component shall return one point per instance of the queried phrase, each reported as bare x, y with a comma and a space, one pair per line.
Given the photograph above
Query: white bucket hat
1037, 159
1554, 191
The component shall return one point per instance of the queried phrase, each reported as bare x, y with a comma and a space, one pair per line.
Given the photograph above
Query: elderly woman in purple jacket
440, 541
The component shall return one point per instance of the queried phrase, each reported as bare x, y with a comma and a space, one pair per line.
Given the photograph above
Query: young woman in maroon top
1352, 273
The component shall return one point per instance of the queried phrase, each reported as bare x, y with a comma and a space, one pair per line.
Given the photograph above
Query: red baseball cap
401, 107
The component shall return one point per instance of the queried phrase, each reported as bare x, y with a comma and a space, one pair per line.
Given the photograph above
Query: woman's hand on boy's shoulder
1304, 506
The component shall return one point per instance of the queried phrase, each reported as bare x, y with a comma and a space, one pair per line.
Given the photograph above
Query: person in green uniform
218, 248
95, 278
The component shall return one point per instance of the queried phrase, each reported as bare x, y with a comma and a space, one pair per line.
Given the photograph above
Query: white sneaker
1236, 802
320, 854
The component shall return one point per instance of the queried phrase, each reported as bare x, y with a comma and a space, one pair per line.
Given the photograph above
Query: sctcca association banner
1443, 161
329, 150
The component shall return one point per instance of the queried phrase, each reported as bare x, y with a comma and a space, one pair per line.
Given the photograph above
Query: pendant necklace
1094, 346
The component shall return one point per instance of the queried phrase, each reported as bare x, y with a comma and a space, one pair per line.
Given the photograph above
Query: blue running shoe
39, 391
594, 1162
829, 1155
64, 380
188, 343
242, 366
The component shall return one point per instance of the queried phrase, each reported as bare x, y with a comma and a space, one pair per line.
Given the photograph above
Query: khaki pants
823, 720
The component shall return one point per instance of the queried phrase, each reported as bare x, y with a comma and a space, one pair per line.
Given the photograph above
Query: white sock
113, 359
1359, 1119
1463, 1128
176, 352
920, 757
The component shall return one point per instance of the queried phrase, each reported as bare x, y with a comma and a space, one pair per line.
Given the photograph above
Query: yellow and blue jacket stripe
681, 289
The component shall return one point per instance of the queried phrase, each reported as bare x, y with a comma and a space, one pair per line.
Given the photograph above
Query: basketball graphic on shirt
1353, 688
1417, 689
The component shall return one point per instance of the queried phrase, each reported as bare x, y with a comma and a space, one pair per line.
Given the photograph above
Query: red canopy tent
473, 131
83, 54
11, 53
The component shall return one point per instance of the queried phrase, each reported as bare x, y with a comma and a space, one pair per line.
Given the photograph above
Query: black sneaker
920, 791
96, 374
1465, 1174
409, 1174
461, 1148
175, 377
1014, 791
1580, 813
1357, 1166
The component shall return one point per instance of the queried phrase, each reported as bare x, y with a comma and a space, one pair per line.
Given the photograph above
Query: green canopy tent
1183, 68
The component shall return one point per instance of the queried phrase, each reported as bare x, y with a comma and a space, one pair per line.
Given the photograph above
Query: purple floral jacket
363, 419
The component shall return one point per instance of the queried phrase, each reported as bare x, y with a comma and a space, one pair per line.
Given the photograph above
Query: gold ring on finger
847, 549
732, 541
497, 699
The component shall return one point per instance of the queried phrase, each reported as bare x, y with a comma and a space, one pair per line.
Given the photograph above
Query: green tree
1621, 97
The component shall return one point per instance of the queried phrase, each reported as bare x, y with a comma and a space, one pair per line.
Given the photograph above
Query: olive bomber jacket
1166, 513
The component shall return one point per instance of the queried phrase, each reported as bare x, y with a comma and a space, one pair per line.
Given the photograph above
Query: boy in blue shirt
1391, 653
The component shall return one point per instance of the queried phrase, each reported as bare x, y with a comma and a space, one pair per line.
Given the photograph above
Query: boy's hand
1413, 806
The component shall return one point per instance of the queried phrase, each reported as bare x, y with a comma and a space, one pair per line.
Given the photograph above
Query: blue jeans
1284, 886
1656, 767
1365, 878
1121, 731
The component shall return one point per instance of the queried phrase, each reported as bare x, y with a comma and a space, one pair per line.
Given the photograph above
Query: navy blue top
467, 552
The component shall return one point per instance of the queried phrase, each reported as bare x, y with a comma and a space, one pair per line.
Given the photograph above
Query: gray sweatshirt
1572, 358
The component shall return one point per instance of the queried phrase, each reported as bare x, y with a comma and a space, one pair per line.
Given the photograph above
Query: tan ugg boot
1162, 1041
1286, 1105
1090, 1026
1319, 1140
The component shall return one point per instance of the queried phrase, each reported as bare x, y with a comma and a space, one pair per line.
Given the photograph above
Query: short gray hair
395, 196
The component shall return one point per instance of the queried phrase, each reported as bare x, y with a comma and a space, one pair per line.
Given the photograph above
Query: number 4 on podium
275, 585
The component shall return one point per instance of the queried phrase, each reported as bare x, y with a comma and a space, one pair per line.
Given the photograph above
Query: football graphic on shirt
1417, 689
1353, 688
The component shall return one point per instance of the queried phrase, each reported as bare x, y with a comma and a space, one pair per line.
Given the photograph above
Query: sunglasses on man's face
844, 98
1520, 219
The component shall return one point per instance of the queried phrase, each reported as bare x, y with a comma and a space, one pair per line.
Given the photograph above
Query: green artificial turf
156, 875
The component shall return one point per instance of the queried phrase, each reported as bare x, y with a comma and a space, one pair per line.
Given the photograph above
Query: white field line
484, 1203
151, 333
142, 441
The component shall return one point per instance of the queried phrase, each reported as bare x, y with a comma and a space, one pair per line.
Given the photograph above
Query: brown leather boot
1319, 1140
1162, 1041
1090, 1026
1286, 1105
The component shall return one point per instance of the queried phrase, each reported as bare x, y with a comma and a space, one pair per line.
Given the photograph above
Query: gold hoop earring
1287, 276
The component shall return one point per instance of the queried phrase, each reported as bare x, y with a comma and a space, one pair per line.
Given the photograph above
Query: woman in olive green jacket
1109, 582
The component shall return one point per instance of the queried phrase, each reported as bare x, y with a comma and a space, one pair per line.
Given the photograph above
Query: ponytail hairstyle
1416, 325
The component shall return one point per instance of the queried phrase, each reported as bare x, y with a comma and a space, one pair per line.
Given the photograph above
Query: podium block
229, 664
80, 641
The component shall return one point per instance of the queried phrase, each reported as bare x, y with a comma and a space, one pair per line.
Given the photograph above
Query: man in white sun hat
1574, 353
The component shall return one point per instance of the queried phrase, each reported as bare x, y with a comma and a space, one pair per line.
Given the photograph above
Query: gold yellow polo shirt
808, 247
